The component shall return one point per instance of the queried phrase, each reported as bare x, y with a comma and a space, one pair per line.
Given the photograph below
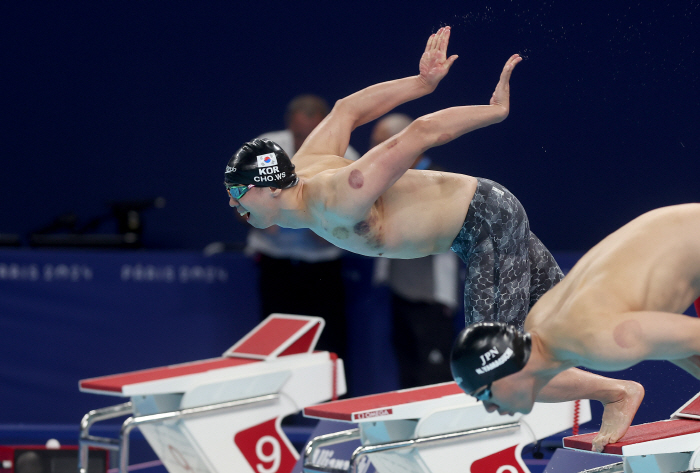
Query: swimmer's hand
434, 64
501, 96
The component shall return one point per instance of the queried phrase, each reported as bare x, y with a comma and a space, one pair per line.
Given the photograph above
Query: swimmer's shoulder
309, 165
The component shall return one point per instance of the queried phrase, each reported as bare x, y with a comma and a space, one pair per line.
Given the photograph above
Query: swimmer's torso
650, 264
419, 215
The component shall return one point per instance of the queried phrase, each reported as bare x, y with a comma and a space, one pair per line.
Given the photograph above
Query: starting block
436, 429
222, 414
666, 446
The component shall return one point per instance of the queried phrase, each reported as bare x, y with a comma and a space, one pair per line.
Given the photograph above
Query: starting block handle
324, 441
321, 469
397, 445
435, 439
121, 445
330, 439
86, 440
618, 467
132, 422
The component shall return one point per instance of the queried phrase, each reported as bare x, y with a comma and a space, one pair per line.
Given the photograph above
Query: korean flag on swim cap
486, 352
268, 159
263, 163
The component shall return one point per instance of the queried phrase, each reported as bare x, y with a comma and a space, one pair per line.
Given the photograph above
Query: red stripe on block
303, 345
637, 434
115, 383
345, 408
692, 409
270, 336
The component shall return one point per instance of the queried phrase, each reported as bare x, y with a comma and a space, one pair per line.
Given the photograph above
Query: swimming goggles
483, 394
238, 191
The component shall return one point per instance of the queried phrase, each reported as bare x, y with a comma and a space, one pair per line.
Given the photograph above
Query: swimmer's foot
618, 414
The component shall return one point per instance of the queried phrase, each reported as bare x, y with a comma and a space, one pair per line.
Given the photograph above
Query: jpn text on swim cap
494, 364
492, 353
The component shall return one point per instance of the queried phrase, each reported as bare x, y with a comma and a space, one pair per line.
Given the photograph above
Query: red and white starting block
665, 446
436, 429
222, 414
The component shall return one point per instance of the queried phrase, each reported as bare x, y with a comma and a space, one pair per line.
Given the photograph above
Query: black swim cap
262, 163
486, 352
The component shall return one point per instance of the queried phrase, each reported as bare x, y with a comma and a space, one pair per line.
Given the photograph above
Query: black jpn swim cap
486, 352
263, 163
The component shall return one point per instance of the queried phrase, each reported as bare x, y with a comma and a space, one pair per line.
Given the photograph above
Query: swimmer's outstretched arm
375, 101
446, 125
384, 164
332, 135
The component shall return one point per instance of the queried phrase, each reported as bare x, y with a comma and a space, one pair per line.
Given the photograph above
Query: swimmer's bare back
620, 299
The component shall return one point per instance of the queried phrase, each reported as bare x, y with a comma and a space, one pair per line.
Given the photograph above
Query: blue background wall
108, 101
72, 315
105, 101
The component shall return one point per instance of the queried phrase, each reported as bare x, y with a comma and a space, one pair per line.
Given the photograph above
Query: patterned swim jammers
508, 267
